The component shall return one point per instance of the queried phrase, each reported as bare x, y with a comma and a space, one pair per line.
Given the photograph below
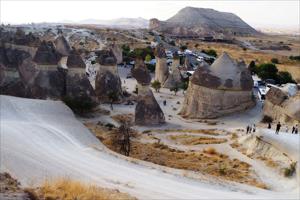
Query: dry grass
195, 140
66, 189
210, 150
207, 162
202, 131
123, 118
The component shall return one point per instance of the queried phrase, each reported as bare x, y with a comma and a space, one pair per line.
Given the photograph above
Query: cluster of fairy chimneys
162, 74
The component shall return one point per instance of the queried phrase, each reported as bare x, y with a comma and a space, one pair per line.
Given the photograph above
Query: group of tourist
250, 129
278, 126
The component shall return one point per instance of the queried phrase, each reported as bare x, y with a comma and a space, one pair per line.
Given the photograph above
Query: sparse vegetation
65, 189
267, 119
156, 85
210, 52
289, 171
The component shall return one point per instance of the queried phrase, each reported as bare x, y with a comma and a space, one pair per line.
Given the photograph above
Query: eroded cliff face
202, 102
281, 107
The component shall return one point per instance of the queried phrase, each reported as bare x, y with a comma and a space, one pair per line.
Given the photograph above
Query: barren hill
191, 21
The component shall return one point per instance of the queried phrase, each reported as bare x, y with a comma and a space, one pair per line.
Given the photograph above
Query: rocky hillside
191, 21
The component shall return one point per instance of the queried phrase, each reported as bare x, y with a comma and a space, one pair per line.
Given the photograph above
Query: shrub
285, 77
210, 150
297, 58
210, 52
156, 85
222, 169
275, 60
289, 171
267, 119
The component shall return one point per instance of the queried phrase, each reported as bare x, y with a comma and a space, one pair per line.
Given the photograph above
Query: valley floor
42, 139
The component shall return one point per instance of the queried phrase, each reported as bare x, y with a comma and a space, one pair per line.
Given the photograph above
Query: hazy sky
256, 13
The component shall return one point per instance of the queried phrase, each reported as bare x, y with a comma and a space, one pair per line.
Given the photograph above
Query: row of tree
269, 71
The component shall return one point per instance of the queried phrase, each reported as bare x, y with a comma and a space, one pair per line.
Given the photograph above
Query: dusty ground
148, 147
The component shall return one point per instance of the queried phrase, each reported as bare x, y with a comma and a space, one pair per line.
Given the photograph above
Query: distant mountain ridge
191, 21
117, 23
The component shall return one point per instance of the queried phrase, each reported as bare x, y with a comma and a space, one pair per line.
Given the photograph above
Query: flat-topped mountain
191, 21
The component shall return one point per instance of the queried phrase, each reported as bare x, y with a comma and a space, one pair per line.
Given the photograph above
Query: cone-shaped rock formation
223, 88
147, 111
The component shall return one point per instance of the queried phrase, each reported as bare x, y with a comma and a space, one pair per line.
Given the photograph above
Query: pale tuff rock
161, 68
62, 46
117, 52
282, 107
107, 78
174, 78
147, 110
223, 88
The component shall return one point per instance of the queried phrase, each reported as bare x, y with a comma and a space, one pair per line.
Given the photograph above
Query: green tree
252, 67
210, 52
267, 71
148, 58
285, 77
156, 85
113, 97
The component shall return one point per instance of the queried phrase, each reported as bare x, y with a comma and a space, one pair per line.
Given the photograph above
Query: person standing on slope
278, 128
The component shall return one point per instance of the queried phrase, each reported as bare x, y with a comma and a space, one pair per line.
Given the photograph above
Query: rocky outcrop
117, 52
174, 78
194, 22
46, 54
161, 68
282, 107
75, 60
224, 87
147, 110
107, 78
45, 74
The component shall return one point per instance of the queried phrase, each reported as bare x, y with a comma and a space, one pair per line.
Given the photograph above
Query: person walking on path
278, 128
247, 129
165, 102
250, 128
253, 128
296, 129
293, 129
